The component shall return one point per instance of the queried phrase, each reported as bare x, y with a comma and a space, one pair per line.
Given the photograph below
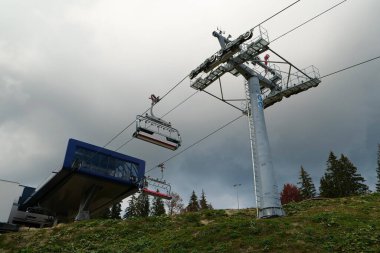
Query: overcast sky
85, 69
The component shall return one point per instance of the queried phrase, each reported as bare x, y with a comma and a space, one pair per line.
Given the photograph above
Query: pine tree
341, 179
307, 187
142, 205
203, 202
115, 211
290, 193
193, 205
158, 208
327, 183
378, 170
174, 205
131, 210
355, 182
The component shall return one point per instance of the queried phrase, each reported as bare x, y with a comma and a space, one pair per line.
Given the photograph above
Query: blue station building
92, 178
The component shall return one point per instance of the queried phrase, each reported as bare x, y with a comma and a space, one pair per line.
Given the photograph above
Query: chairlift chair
158, 184
155, 130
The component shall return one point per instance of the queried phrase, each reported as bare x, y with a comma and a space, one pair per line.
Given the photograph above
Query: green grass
332, 225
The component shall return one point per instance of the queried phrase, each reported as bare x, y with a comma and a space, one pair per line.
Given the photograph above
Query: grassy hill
332, 225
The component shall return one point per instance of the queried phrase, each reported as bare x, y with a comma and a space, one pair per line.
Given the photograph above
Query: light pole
237, 193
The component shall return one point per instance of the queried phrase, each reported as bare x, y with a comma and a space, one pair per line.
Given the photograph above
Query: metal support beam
287, 81
225, 101
83, 212
299, 70
267, 190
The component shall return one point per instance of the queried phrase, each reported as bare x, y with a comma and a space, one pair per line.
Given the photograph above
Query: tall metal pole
267, 189
237, 193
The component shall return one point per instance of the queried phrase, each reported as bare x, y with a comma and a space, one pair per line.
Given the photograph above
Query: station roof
85, 166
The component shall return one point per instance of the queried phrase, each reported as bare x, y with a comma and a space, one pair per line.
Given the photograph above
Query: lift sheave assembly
155, 130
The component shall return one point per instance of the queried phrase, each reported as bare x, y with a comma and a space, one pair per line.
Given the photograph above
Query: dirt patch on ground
206, 222
246, 211
230, 212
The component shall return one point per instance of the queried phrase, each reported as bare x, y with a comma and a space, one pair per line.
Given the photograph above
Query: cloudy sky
85, 69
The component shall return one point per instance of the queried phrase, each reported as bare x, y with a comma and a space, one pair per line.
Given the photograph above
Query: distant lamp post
237, 193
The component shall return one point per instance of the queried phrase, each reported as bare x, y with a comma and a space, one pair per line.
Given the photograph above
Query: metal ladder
256, 172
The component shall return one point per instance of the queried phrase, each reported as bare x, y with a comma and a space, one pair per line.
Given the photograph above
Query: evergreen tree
203, 202
341, 178
355, 182
115, 211
142, 205
307, 187
158, 208
131, 210
290, 193
175, 204
378, 170
327, 183
193, 205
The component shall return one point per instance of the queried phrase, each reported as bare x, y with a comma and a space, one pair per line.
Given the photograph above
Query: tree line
341, 179
141, 205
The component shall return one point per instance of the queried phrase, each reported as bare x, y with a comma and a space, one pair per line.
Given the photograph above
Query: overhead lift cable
122, 131
175, 86
262, 22
227, 124
309, 20
352, 66
198, 141
183, 101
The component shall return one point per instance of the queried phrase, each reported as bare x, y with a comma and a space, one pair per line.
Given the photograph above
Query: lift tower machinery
265, 85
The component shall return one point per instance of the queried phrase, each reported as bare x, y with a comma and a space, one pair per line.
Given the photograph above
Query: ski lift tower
265, 85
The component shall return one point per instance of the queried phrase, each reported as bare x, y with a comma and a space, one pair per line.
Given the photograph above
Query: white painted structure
9, 193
